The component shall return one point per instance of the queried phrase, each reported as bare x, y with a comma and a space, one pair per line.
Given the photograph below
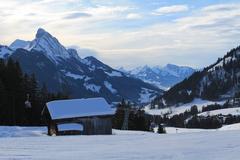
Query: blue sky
130, 33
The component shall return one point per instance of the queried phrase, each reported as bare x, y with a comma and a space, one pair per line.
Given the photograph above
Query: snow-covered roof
73, 108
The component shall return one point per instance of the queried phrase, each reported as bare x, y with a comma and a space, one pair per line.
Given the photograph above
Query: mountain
162, 77
5, 51
18, 43
221, 80
62, 69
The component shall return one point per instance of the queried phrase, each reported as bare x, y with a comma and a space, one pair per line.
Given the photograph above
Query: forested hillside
217, 81
15, 89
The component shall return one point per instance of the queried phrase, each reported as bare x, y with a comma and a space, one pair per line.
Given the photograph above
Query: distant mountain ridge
162, 77
63, 70
18, 43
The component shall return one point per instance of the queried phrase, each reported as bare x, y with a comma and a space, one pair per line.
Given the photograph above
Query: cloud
133, 16
205, 32
170, 9
85, 52
77, 15
220, 7
213, 15
106, 12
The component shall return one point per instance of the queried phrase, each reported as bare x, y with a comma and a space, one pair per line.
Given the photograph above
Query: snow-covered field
226, 111
182, 108
124, 145
173, 130
15, 131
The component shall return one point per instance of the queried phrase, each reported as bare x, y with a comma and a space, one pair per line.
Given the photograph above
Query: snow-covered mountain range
62, 69
162, 77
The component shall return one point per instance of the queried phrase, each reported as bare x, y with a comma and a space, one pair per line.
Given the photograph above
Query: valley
119, 80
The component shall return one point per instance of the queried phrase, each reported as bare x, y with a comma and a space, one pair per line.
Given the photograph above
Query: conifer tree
161, 129
14, 90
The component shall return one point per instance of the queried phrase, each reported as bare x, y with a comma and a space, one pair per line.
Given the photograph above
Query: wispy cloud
134, 16
213, 15
77, 15
207, 33
170, 9
220, 7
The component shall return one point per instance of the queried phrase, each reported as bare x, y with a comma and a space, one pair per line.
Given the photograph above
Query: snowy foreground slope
126, 145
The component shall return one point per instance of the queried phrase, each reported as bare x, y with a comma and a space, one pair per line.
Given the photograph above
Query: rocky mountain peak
41, 32
49, 45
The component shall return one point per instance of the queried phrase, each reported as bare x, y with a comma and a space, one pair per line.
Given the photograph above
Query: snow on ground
157, 111
15, 131
114, 74
87, 78
235, 126
110, 87
157, 84
146, 95
92, 87
125, 145
74, 76
182, 108
173, 130
128, 132
226, 111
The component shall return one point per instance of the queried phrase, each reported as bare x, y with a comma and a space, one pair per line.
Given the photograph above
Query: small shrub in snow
161, 129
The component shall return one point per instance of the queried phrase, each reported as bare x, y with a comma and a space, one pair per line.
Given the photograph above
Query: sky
130, 33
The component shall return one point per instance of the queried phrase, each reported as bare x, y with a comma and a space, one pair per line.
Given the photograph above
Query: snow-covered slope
182, 108
174, 130
163, 77
125, 145
18, 43
230, 127
5, 51
17, 131
226, 111
46, 43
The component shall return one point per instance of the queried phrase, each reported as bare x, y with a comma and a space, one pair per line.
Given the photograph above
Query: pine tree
14, 88
44, 93
161, 129
2, 101
33, 87
194, 110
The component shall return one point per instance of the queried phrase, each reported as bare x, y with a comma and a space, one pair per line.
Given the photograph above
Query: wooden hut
90, 116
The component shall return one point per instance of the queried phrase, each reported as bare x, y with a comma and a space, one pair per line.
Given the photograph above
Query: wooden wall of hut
91, 125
